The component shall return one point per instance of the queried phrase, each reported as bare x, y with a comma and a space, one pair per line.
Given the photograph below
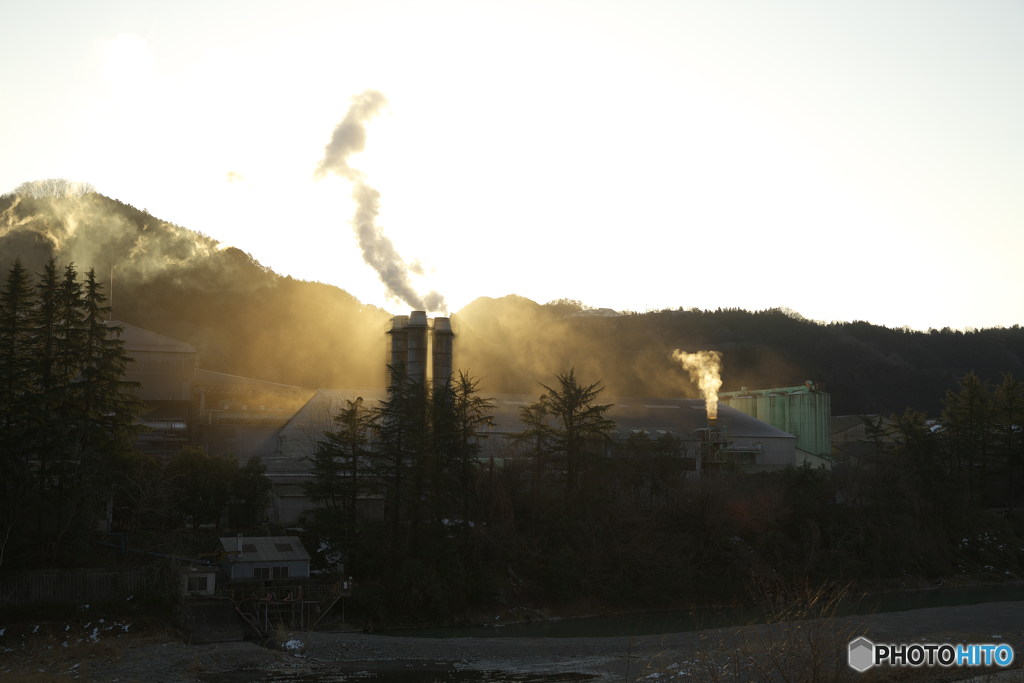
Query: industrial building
752, 445
853, 441
190, 406
756, 429
805, 411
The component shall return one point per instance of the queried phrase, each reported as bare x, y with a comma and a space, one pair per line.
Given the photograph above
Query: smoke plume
379, 252
705, 371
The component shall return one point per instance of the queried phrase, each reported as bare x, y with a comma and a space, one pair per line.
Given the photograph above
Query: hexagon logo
862, 654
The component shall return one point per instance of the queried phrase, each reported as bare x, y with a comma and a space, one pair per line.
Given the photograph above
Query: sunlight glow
633, 159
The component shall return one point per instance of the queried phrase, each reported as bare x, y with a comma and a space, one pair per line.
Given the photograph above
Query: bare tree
54, 187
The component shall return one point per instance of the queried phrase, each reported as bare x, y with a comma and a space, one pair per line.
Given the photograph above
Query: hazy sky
858, 160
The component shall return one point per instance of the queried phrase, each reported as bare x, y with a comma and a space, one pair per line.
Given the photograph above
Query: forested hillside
245, 319
241, 317
866, 368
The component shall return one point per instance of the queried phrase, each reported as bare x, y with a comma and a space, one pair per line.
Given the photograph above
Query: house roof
266, 549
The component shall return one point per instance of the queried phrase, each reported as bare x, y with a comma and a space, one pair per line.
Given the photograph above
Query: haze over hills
245, 319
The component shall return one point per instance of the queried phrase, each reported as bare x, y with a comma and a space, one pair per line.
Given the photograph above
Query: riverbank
678, 656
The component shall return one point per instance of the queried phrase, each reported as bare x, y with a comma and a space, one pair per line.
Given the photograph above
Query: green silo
805, 411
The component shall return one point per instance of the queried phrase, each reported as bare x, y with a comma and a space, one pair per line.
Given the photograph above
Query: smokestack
239, 548
416, 345
395, 350
441, 352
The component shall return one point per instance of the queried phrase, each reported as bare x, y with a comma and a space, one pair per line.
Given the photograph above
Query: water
676, 621
393, 672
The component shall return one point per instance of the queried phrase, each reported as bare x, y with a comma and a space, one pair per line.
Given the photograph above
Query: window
283, 547
261, 573
280, 572
197, 584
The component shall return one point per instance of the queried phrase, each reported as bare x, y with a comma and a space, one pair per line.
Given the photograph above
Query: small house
265, 558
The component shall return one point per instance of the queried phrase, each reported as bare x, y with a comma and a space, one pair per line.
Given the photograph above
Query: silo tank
744, 404
771, 408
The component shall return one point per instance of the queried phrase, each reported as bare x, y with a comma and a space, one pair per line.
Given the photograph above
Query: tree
579, 422
15, 473
968, 420
202, 485
53, 187
1009, 406
396, 463
250, 490
536, 439
460, 414
338, 479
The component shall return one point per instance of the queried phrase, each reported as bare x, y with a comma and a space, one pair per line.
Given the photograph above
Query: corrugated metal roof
266, 549
210, 377
674, 415
653, 415
843, 422
138, 339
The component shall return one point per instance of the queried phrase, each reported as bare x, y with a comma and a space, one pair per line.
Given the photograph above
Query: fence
81, 586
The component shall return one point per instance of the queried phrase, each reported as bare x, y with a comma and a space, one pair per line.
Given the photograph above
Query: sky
847, 160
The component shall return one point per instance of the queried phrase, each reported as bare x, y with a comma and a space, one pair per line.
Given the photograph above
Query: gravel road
312, 656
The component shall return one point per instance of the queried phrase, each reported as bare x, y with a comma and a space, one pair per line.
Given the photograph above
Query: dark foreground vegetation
68, 429
245, 319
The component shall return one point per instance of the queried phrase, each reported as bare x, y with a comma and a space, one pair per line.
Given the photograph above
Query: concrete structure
265, 558
804, 411
199, 580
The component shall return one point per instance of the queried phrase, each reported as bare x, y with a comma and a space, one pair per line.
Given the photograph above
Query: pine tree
968, 421
338, 479
251, 490
15, 473
106, 399
578, 422
536, 437
396, 462
1009, 405
459, 416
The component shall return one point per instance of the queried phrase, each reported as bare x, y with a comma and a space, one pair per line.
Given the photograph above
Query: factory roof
138, 339
657, 416
223, 379
266, 548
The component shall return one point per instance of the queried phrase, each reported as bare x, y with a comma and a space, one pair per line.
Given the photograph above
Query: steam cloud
379, 252
705, 371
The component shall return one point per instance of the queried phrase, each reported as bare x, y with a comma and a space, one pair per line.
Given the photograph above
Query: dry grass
802, 640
